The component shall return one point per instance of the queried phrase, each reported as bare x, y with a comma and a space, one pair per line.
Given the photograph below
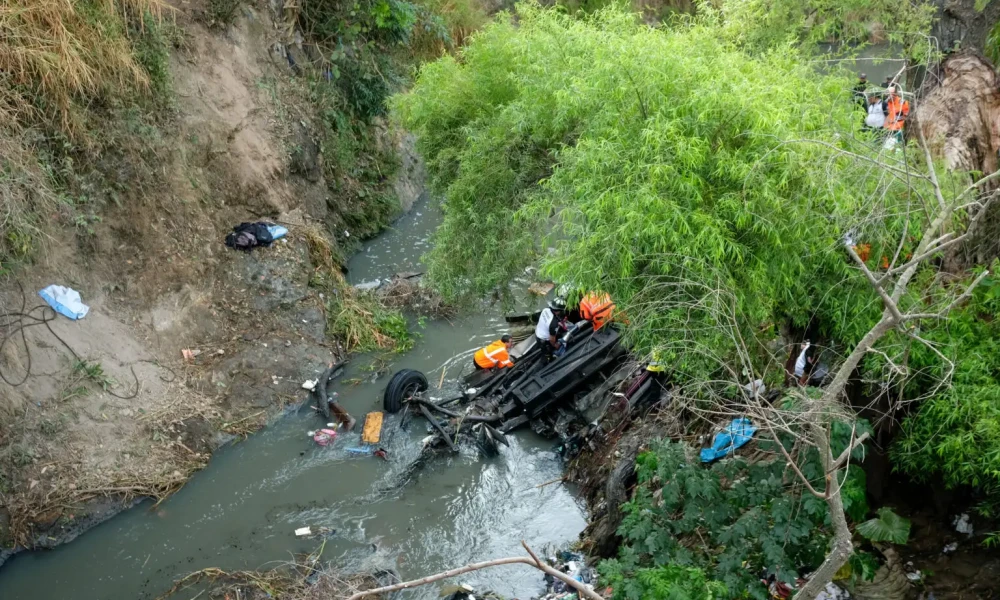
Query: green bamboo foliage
662, 165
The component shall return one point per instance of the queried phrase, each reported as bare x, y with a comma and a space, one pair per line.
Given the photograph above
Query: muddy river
242, 510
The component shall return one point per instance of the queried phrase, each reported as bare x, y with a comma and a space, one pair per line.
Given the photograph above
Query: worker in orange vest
496, 355
897, 109
597, 308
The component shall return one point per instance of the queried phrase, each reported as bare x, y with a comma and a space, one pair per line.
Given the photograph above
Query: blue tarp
737, 434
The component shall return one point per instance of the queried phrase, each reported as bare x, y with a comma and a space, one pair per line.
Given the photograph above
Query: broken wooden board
541, 288
372, 431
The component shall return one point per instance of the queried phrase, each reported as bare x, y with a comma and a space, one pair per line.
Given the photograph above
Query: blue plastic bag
737, 434
277, 231
65, 301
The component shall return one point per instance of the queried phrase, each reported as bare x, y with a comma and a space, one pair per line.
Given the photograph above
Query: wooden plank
372, 432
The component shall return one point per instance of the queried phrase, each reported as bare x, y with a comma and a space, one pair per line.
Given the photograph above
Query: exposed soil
77, 445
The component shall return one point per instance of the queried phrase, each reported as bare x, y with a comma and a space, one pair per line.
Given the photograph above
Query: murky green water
241, 511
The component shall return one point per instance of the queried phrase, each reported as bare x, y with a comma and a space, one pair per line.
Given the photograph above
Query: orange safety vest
494, 355
898, 109
597, 308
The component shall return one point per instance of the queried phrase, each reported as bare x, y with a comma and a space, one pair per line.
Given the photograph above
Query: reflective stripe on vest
487, 354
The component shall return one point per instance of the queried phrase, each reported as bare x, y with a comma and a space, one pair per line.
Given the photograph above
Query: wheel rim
410, 391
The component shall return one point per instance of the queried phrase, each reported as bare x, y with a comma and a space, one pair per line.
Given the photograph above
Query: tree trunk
959, 116
841, 548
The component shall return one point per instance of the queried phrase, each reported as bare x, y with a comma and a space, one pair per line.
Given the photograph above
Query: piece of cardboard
372, 432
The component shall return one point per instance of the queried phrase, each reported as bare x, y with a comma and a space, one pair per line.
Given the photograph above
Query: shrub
709, 532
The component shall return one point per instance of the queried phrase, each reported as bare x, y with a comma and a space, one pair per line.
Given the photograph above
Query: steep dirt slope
108, 410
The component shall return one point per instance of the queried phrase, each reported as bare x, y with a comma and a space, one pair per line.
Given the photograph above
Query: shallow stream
242, 510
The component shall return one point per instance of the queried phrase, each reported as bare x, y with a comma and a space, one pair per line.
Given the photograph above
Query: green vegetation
356, 318
886, 527
222, 13
71, 69
369, 47
764, 25
954, 434
676, 185
685, 521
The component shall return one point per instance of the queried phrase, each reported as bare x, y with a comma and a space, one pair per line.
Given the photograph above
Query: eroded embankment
99, 412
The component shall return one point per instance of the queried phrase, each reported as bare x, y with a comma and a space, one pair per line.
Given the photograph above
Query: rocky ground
98, 412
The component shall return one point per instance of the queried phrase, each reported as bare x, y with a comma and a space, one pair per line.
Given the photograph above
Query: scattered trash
189, 354
915, 576
463, 592
833, 592
277, 231
247, 236
369, 451
65, 301
571, 563
755, 388
310, 384
324, 437
371, 433
368, 286
950, 548
736, 435
303, 531
963, 524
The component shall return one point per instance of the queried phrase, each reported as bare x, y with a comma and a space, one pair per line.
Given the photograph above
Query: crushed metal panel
372, 432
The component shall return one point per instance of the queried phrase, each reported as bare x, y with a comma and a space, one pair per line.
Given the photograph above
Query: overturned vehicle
557, 397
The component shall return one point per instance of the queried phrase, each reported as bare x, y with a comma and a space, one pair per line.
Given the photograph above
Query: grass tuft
357, 318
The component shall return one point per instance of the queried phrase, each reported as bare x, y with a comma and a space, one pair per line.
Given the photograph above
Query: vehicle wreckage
564, 398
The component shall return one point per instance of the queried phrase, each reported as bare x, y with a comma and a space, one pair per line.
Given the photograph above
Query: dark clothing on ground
247, 236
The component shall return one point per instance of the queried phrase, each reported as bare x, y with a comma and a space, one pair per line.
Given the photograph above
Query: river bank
188, 345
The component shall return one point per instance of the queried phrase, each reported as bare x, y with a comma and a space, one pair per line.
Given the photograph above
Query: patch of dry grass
304, 578
56, 53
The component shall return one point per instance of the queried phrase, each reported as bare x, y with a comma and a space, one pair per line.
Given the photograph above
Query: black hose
24, 318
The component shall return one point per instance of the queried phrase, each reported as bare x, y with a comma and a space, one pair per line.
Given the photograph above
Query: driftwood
532, 561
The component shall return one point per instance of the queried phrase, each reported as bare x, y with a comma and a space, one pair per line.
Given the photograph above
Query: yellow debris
373, 428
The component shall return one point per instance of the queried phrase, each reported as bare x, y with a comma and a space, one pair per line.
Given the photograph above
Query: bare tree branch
533, 561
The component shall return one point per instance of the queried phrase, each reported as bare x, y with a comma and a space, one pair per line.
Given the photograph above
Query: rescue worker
597, 308
551, 326
859, 91
875, 120
495, 356
897, 109
808, 369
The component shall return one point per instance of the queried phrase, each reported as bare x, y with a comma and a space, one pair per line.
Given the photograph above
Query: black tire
402, 386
